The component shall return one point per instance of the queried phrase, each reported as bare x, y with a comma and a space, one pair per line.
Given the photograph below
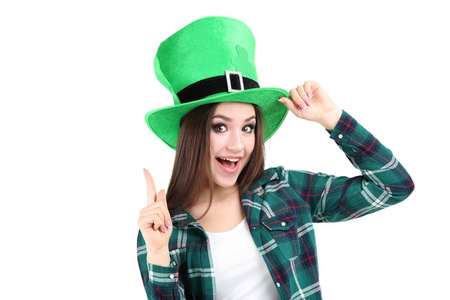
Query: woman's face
232, 141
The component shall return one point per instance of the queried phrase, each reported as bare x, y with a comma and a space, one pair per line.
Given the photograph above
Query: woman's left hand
312, 103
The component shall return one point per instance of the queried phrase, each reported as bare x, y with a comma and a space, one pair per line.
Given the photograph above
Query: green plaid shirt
280, 209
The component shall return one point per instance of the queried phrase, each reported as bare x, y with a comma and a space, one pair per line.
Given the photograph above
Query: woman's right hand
155, 224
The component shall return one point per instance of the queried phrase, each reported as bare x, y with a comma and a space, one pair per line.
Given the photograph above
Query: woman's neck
221, 196
225, 212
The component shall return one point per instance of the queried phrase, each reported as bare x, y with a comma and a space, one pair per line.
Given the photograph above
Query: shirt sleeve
383, 181
159, 282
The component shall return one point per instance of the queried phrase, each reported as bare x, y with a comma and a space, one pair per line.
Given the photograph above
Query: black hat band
232, 82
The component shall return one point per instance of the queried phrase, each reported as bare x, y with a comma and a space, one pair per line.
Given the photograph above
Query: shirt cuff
344, 129
163, 276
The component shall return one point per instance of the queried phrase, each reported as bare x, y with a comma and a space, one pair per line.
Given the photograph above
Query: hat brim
165, 122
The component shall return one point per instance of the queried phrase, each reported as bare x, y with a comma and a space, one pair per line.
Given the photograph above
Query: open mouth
228, 162
229, 165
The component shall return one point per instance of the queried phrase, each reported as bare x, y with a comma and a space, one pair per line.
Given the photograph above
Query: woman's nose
235, 142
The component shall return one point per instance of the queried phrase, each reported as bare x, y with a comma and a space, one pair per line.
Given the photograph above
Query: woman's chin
225, 182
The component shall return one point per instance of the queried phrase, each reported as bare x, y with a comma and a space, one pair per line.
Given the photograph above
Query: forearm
160, 280
384, 180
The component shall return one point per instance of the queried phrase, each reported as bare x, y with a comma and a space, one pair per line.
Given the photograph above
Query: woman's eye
248, 128
220, 128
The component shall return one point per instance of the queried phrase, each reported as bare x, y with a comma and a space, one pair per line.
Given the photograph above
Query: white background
76, 79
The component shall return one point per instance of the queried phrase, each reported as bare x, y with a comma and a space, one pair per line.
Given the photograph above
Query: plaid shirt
280, 208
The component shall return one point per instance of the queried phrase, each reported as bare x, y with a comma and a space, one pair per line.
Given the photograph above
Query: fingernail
169, 223
308, 103
281, 100
164, 228
309, 95
302, 105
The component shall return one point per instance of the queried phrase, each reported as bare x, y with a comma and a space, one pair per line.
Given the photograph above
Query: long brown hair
191, 168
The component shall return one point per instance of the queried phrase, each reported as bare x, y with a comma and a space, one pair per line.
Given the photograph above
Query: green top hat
211, 60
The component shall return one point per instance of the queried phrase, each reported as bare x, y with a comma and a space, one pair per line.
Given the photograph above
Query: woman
228, 228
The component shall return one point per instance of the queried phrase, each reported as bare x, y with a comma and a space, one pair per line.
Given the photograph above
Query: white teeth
230, 159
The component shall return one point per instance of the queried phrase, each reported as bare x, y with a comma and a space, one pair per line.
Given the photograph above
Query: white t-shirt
239, 268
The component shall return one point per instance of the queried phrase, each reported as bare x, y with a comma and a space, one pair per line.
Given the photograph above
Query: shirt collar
267, 176
181, 218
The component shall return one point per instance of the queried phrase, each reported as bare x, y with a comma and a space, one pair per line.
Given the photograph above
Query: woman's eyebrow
229, 119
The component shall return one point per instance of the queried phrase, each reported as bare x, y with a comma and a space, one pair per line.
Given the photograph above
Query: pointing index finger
151, 191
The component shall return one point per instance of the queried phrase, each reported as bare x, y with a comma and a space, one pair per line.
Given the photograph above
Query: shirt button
340, 136
171, 276
278, 284
283, 223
